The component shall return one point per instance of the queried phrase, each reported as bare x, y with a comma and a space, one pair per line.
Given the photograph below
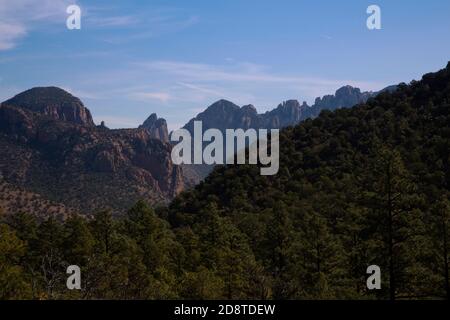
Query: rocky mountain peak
55, 158
346, 91
221, 115
249, 109
289, 104
53, 102
345, 96
222, 107
156, 127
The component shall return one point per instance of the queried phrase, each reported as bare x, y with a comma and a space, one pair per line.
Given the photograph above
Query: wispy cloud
151, 96
203, 89
18, 17
239, 72
144, 27
179, 84
116, 21
165, 25
10, 33
245, 78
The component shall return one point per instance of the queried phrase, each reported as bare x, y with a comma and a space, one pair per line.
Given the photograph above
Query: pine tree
13, 280
49, 249
103, 228
225, 250
391, 197
78, 244
153, 236
201, 284
278, 243
440, 250
319, 254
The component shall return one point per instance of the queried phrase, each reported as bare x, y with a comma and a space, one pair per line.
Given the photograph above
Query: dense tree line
356, 187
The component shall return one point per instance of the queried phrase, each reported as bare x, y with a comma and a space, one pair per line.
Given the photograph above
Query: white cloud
145, 96
10, 34
18, 17
116, 21
240, 82
240, 72
165, 25
203, 89
155, 25
180, 85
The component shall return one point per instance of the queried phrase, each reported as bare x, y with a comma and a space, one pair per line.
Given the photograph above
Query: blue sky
132, 58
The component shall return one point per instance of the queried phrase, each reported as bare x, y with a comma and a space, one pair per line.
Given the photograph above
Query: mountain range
224, 115
53, 153
358, 189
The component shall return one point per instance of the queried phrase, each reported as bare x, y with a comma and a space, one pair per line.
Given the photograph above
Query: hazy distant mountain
389, 89
50, 146
224, 115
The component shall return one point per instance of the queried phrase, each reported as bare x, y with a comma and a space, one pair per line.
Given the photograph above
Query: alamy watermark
73, 21
374, 20
74, 280
374, 280
191, 150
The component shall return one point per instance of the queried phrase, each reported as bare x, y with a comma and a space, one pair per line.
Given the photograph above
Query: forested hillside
356, 187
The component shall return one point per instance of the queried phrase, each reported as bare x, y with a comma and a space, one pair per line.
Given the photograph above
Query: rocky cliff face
156, 127
346, 96
224, 115
53, 102
286, 114
49, 146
